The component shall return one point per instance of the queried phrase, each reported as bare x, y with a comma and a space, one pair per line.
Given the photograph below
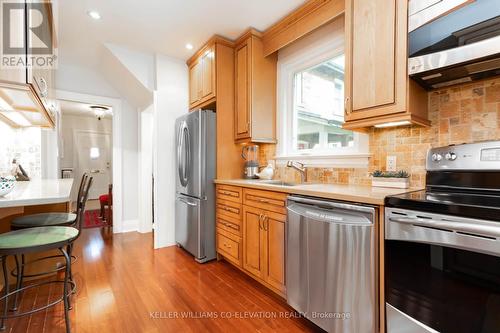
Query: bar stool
45, 220
32, 240
36, 240
52, 220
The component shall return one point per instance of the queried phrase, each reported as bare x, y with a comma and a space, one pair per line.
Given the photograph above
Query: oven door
442, 273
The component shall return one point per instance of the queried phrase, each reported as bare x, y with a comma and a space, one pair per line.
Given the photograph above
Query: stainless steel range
442, 245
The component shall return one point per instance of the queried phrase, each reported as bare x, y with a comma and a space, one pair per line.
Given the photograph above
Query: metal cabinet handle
265, 222
347, 109
263, 200
260, 221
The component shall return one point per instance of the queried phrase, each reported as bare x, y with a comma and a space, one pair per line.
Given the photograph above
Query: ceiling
79, 109
163, 26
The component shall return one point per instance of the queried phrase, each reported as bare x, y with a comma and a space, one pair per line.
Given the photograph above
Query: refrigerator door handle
182, 153
187, 164
187, 202
179, 152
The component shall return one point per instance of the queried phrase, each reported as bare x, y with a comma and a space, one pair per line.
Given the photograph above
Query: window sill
354, 160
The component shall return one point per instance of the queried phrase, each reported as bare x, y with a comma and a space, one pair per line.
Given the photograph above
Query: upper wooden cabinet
377, 87
202, 75
255, 90
30, 90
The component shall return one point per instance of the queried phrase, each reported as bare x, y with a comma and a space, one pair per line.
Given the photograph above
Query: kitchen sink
277, 183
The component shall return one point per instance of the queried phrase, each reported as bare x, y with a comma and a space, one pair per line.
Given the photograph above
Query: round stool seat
104, 198
43, 220
36, 239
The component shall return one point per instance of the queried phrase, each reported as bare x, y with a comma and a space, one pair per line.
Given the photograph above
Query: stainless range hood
440, 58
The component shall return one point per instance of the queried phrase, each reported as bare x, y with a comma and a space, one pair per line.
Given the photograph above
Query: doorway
92, 155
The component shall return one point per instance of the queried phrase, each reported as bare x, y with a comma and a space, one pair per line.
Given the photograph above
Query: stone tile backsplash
461, 114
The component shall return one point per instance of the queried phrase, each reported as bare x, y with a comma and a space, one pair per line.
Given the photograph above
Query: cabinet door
376, 33
254, 242
242, 116
274, 225
208, 74
194, 83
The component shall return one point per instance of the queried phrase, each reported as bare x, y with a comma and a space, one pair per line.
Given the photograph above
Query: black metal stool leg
6, 291
66, 295
19, 280
70, 252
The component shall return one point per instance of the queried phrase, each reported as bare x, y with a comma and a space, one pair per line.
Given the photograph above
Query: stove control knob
437, 157
451, 156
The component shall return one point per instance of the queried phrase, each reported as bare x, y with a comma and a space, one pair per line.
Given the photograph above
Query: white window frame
288, 66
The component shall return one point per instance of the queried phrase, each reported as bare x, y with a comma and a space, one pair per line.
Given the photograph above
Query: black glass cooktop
482, 206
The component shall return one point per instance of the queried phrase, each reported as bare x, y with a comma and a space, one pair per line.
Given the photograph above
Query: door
274, 225
242, 116
254, 241
195, 84
376, 58
189, 159
208, 74
93, 155
187, 224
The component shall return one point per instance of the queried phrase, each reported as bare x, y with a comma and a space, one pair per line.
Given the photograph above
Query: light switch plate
391, 163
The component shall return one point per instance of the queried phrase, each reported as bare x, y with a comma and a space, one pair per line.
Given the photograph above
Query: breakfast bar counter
36, 196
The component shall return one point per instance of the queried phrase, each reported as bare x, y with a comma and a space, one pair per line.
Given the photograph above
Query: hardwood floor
126, 286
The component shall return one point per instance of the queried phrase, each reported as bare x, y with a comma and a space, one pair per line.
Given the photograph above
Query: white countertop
353, 193
38, 192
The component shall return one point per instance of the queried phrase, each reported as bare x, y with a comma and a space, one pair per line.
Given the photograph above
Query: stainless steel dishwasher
331, 264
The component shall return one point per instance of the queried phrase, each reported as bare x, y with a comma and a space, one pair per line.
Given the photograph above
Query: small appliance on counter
250, 154
442, 245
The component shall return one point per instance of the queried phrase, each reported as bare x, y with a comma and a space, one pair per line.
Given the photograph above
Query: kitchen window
311, 103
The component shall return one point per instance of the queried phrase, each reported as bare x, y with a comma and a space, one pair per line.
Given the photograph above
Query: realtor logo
27, 34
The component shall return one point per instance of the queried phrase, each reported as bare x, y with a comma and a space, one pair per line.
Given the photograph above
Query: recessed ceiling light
94, 14
189, 46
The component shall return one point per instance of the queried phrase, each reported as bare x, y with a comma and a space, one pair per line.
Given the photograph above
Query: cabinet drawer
229, 224
231, 193
229, 246
229, 208
272, 201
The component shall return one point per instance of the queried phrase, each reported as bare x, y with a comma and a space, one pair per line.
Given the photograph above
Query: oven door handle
469, 228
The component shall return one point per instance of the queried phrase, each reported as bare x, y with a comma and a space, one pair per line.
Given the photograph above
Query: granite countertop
354, 193
38, 192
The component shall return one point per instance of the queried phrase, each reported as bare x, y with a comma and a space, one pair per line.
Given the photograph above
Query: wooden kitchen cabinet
264, 246
251, 233
377, 86
255, 90
202, 76
30, 91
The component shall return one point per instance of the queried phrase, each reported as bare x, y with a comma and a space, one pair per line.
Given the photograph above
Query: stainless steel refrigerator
195, 193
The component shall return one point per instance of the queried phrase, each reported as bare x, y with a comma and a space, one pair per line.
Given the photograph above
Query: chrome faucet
300, 168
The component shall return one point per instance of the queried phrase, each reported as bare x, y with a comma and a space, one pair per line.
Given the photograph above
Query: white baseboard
130, 225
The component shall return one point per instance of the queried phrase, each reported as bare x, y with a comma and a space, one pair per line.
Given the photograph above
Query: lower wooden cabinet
252, 236
264, 246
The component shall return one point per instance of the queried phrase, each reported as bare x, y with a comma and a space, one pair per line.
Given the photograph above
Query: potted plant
395, 179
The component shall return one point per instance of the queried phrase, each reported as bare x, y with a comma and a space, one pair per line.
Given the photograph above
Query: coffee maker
250, 154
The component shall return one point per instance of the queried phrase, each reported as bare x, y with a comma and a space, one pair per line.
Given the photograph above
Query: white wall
146, 171
171, 101
130, 173
83, 80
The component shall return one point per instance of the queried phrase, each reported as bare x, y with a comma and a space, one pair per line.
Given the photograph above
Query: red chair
107, 200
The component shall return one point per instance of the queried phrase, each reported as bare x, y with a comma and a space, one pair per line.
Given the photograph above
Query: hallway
126, 286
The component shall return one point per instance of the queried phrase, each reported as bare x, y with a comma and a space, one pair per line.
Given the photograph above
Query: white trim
129, 226
317, 50
116, 104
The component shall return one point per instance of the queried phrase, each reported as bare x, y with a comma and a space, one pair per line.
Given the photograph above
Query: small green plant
390, 174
